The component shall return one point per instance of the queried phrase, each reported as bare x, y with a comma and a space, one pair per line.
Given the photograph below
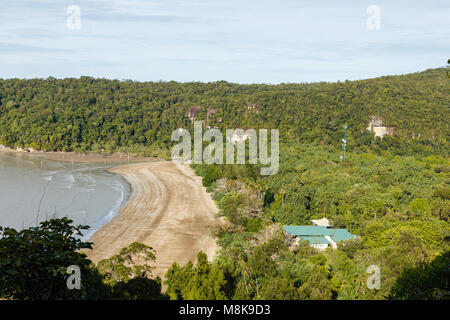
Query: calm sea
33, 189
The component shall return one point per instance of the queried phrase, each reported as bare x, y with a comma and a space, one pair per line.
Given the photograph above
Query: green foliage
420, 206
443, 169
397, 206
392, 192
205, 281
278, 288
347, 277
313, 183
427, 281
351, 246
140, 288
34, 261
229, 205
379, 234
316, 287
131, 262
253, 224
110, 115
128, 273
211, 175
443, 193
407, 252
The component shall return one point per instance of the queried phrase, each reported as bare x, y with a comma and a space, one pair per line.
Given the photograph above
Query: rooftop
321, 222
312, 233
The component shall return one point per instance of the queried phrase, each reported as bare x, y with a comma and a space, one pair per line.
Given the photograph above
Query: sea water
34, 189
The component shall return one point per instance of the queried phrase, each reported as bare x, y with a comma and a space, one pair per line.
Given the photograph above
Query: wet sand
92, 157
79, 157
168, 209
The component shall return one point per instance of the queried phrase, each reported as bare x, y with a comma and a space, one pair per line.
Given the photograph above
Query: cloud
11, 48
205, 40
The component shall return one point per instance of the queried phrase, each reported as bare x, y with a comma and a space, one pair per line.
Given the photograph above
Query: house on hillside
320, 237
193, 112
380, 129
321, 222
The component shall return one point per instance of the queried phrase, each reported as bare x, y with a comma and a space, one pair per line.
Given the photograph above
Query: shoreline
79, 157
168, 209
112, 195
126, 194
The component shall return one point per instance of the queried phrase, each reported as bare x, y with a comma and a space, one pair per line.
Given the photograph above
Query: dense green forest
398, 206
394, 193
34, 266
97, 114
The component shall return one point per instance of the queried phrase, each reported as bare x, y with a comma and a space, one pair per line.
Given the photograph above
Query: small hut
193, 112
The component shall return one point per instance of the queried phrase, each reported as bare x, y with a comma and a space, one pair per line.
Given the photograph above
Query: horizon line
229, 82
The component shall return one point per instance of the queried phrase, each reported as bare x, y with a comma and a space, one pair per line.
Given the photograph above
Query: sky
241, 41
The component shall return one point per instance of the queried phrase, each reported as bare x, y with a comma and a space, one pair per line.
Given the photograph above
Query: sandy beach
168, 209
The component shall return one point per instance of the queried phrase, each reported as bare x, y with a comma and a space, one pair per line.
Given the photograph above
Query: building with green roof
319, 237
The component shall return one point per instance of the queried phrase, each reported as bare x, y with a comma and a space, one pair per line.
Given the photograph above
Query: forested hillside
398, 206
97, 114
393, 193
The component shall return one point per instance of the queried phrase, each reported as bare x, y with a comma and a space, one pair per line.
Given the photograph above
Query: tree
317, 287
34, 264
132, 262
34, 261
278, 288
205, 281
427, 281
129, 273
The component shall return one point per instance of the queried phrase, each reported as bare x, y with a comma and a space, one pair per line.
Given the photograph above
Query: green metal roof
315, 239
307, 230
341, 235
318, 233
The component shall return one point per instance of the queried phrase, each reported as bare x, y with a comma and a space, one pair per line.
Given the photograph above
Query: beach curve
168, 209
